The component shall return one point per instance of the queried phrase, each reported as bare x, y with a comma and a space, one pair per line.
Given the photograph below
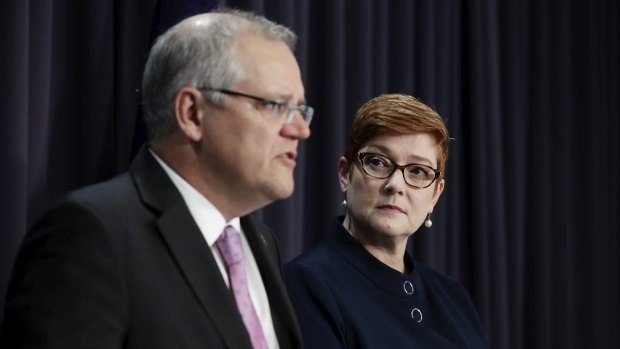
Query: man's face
245, 151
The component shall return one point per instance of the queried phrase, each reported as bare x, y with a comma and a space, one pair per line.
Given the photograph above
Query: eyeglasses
280, 110
381, 167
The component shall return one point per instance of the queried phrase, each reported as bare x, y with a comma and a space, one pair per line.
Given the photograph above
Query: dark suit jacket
122, 264
347, 298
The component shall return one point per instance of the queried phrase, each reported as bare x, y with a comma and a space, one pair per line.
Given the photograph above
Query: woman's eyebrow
414, 159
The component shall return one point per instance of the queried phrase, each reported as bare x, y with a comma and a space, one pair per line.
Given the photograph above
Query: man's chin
283, 189
286, 193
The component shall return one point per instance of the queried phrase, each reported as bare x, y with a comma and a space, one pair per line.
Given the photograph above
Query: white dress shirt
212, 223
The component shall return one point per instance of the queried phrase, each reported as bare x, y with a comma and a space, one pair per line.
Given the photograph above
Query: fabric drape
530, 91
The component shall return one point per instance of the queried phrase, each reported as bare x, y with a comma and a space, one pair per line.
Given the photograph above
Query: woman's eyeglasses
381, 167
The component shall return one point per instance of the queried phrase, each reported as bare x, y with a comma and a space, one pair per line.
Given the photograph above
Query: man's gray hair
199, 56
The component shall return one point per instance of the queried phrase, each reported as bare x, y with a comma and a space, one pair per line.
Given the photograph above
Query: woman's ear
437, 193
343, 173
188, 114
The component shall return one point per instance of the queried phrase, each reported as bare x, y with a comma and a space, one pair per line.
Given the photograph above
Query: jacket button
416, 314
408, 287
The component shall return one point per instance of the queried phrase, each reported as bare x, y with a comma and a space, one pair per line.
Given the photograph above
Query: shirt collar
209, 219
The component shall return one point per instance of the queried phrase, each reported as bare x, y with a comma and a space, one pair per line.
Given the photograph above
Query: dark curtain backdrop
529, 219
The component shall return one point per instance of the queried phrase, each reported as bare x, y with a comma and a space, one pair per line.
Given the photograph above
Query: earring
428, 223
344, 203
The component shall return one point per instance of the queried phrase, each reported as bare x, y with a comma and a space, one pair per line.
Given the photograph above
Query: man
137, 262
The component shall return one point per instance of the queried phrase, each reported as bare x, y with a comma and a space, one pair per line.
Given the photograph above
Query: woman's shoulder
324, 256
445, 288
437, 279
318, 258
314, 272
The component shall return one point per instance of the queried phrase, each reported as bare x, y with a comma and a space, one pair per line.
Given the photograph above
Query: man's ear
343, 173
188, 114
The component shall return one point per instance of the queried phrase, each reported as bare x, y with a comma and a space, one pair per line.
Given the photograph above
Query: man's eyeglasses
284, 111
381, 167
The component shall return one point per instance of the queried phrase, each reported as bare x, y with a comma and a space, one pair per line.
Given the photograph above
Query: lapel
188, 248
265, 249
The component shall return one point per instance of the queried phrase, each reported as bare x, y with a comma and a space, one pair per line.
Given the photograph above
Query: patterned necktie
231, 250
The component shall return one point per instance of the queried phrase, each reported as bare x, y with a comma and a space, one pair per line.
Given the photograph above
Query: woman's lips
391, 208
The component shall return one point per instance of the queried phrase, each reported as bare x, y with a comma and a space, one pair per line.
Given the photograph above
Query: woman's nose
396, 182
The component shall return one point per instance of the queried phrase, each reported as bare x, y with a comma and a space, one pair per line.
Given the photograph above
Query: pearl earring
428, 223
344, 203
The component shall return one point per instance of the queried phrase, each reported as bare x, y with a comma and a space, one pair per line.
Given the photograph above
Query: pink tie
231, 250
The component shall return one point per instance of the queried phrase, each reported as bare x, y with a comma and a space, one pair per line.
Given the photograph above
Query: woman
360, 288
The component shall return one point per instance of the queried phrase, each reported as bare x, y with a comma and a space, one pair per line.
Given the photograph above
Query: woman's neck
390, 250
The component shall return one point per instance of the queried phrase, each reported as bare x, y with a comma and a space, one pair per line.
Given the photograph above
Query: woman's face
389, 207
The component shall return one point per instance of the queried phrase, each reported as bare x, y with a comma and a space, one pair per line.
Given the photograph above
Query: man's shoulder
113, 201
124, 187
116, 190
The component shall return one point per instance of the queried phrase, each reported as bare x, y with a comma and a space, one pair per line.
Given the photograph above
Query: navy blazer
122, 264
346, 298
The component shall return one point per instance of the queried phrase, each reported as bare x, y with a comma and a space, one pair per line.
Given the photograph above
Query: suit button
408, 287
416, 314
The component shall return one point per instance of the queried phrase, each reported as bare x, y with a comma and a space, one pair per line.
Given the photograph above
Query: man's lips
392, 208
289, 156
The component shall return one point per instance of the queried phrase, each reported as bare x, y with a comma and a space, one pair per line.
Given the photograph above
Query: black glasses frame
361, 156
306, 111
235, 93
